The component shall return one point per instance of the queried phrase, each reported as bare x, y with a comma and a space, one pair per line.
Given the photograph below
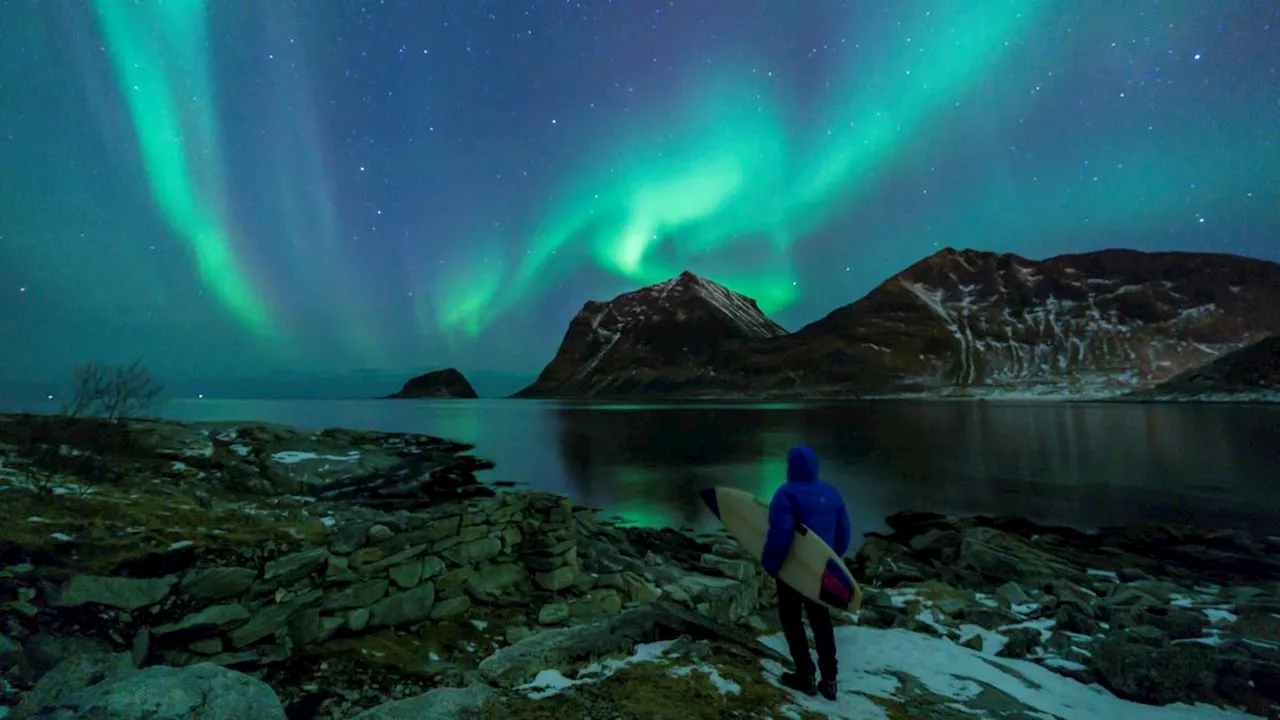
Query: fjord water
1086, 465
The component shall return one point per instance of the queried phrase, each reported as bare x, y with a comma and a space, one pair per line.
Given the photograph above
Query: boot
799, 683
827, 688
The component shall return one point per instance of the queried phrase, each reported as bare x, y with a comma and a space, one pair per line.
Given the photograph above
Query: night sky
243, 189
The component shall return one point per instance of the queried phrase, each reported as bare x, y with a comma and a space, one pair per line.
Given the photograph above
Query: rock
432, 566
348, 537
604, 601
492, 581
116, 592
69, 677
207, 646
1012, 593
638, 589
358, 619
1022, 642
361, 594
1155, 675
438, 704
1128, 575
562, 647
41, 653
1001, 556
339, 570
557, 579
516, 633
553, 613
407, 575
450, 607
474, 552
380, 532
399, 558
210, 621
269, 620
291, 568
164, 693
455, 579
404, 608
217, 583
973, 642
736, 569
10, 653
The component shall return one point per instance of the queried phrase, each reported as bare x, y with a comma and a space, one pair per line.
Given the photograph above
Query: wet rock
115, 592
404, 608
438, 704
217, 583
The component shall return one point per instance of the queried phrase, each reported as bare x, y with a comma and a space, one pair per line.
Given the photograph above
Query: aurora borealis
231, 189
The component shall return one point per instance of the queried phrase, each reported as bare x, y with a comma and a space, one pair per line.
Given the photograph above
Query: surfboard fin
708, 496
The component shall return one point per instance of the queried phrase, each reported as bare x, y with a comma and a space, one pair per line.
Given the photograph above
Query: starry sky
308, 189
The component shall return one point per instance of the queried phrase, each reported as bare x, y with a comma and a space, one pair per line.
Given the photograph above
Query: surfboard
811, 567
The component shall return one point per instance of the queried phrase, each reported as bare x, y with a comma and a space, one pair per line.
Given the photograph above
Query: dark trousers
792, 606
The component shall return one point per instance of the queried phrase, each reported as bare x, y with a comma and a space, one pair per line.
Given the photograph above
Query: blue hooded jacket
804, 499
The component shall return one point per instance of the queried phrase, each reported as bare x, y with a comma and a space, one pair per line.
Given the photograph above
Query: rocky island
153, 569
447, 383
957, 324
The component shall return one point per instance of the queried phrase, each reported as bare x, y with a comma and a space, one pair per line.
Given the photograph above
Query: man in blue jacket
805, 499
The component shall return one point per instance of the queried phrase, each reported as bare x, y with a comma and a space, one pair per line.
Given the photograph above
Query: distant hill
447, 383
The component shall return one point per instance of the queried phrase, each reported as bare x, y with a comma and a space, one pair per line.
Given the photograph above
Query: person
805, 499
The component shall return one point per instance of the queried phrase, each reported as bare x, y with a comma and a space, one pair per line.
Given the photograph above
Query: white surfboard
811, 567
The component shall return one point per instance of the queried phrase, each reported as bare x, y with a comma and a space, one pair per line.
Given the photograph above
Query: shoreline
302, 560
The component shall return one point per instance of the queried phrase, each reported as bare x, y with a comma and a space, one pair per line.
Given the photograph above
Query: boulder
69, 677
404, 608
159, 692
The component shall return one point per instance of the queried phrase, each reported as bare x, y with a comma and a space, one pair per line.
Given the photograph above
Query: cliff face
447, 383
665, 338
956, 323
1078, 324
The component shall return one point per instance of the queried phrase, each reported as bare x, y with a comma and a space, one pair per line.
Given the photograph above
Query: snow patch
551, 682
241, 450
870, 658
718, 681
289, 457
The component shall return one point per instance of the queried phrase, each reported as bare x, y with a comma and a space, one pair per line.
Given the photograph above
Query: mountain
957, 323
447, 383
1250, 374
668, 338
978, 323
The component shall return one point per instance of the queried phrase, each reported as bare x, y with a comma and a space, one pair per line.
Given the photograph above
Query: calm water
1084, 465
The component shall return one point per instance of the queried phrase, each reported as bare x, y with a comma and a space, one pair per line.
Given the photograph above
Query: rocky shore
152, 569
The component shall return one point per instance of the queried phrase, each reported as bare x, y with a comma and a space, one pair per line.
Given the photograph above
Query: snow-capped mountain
663, 338
963, 323
1250, 374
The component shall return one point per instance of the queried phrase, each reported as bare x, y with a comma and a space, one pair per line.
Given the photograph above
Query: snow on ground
870, 658
551, 682
289, 457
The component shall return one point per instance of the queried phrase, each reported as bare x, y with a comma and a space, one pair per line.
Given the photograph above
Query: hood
802, 464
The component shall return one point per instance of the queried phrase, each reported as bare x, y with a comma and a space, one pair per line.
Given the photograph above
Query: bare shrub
112, 392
